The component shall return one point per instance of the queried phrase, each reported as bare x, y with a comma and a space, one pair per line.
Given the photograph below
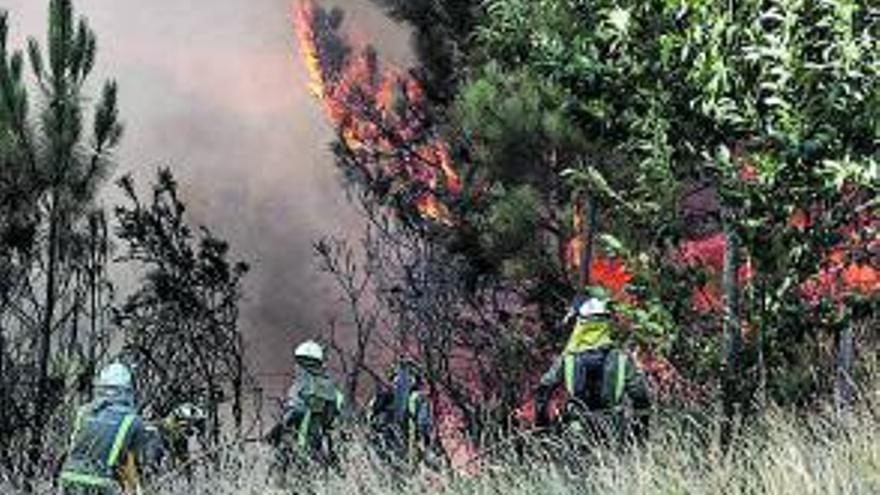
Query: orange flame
574, 248
302, 19
392, 140
430, 207
607, 272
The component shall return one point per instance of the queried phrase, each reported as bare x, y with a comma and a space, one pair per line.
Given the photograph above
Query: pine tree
53, 166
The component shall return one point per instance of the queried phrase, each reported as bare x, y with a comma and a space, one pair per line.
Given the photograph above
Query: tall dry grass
782, 454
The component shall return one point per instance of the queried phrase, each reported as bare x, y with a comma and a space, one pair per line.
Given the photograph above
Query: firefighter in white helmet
175, 430
108, 439
314, 403
597, 375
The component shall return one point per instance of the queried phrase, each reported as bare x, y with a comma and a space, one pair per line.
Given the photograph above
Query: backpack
597, 377
320, 404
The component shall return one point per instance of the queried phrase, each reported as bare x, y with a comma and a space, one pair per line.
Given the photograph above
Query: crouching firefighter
400, 418
106, 446
598, 378
173, 433
314, 403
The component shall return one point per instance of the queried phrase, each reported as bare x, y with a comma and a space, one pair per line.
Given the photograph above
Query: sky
217, 90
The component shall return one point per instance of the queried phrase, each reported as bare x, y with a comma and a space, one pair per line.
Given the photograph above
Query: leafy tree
677, 93
763, 111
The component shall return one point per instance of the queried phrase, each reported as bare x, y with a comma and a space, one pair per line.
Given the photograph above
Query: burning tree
468, 273
573, 119
390, 146
388, 141
441, 41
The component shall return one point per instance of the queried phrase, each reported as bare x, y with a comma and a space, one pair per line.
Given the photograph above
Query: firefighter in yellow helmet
597, 375
108, 439
314, 403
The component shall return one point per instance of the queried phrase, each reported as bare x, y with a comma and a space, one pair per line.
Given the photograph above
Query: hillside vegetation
710, 167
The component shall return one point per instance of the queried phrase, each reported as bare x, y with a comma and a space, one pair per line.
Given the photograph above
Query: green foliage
67, 164
650, 322
509, 232
603, 61
675, 120
664, 94
513, 120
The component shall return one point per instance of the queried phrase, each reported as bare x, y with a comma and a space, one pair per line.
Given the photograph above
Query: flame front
380, 115
302, 19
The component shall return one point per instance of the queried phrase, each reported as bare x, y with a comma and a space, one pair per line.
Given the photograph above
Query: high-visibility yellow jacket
589, 334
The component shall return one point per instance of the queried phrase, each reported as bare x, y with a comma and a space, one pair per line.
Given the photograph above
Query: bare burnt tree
359, 316
410, 297
476, 343
181, 325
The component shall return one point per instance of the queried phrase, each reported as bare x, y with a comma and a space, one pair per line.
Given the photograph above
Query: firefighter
186, 421
108, 439
400, 417
597, 375
314, 403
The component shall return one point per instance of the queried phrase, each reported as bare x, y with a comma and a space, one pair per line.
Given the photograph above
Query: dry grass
781, 455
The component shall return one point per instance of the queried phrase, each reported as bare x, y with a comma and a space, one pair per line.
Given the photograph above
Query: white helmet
115, 375
189, 412
593, 307
310, 350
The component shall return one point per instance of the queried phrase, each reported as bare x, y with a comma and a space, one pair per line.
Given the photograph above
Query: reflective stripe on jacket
106, 432
313, 403
419, 409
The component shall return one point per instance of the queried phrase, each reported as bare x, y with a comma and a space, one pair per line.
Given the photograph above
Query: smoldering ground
217, 90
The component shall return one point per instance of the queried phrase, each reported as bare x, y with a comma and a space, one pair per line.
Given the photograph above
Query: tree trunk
589, 235
237, 384
360, 357
73, 338
732, 335
4, 399
761, 392
93, 304
45, 339
93, 331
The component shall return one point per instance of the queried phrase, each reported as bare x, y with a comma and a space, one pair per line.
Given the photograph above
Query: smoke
217, 90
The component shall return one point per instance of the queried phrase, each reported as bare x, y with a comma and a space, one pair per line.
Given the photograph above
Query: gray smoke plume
217, 90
